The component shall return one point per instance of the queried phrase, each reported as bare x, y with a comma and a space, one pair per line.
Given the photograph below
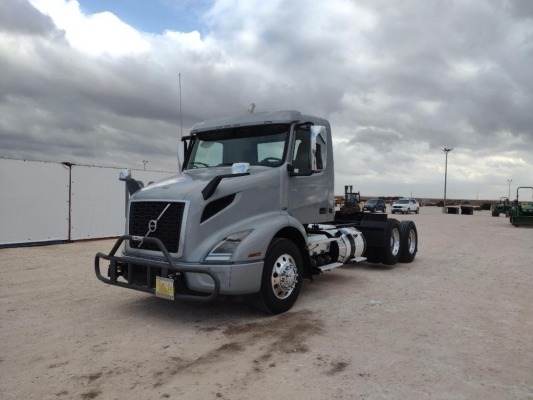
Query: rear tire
390, 254
282, 277
495, 214
408, 241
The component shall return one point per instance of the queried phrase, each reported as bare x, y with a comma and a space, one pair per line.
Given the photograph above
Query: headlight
224, 250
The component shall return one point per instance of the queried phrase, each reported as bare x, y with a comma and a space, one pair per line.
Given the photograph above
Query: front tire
408, 241
282, 277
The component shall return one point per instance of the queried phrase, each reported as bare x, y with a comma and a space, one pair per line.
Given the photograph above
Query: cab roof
277, 117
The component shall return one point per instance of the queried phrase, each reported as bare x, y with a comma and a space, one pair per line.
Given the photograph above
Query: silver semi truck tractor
252, 212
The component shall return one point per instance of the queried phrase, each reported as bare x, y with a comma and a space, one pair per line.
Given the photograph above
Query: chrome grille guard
170, 266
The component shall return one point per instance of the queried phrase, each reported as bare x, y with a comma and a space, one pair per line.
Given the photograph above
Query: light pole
446, 151
144, 164
509, 195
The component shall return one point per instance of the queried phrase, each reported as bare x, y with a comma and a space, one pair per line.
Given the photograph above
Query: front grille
164, 224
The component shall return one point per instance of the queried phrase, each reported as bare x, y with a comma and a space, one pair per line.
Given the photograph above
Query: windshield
371, 201
402, 202
257, 145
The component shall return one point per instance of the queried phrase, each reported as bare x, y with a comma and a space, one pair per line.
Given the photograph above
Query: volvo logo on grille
152, 225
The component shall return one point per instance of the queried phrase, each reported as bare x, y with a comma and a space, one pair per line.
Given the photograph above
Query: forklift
352, 208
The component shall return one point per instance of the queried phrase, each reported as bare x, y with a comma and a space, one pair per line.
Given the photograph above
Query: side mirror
125, 174
318, 148
132, 185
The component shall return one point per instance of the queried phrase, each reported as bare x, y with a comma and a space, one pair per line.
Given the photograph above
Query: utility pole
446, 151
509, 195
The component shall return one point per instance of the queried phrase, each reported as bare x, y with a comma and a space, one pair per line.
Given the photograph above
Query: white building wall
97, 203
34, 201
44, 201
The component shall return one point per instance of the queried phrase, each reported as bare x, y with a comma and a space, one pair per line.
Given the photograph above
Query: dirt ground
456, 323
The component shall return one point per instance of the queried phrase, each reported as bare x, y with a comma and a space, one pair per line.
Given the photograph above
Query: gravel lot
456, 323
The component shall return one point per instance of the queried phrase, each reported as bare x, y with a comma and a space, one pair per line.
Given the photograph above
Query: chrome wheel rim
411, 241
284, 276
395, 241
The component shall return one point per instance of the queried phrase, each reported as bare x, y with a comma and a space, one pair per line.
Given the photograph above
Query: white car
405, 206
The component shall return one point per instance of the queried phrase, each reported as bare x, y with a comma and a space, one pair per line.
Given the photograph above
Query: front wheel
408, 241
390, 254
282, 277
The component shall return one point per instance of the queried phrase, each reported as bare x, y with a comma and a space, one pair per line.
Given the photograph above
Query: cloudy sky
97, 82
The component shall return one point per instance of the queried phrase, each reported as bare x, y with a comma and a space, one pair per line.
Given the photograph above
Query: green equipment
522, 212
504, 206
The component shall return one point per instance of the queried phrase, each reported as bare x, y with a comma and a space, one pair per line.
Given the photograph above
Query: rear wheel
408, 241
282, 277
495, 214
390, 254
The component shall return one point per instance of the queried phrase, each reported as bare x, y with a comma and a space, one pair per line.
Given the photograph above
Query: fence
51, 202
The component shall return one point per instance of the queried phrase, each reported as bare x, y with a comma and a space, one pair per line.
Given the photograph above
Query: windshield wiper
195, 164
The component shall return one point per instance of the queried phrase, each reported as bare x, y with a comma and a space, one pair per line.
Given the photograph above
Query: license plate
164, 288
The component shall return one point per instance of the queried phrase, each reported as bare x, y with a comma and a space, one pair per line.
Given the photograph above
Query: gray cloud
19, 17
397, 82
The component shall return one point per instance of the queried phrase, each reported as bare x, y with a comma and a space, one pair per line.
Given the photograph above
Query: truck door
309, 197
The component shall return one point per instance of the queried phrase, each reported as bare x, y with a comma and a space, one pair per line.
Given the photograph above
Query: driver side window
302, 152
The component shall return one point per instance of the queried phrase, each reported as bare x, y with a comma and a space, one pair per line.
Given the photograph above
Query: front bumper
196, 282
121, 271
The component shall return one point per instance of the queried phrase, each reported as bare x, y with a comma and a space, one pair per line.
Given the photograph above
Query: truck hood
189, 184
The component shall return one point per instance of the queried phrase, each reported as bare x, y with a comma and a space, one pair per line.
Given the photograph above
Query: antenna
181, 115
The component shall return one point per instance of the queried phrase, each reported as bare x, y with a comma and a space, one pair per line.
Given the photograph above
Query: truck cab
250, 213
